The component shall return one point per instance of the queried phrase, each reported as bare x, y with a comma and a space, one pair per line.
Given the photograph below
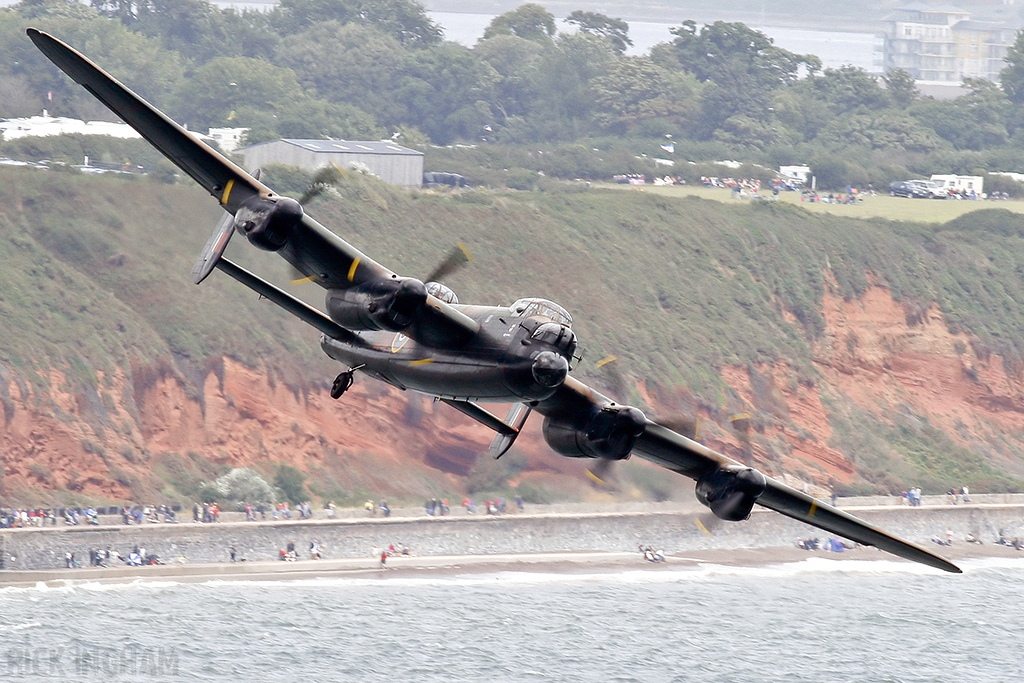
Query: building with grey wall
392, 163
942, 44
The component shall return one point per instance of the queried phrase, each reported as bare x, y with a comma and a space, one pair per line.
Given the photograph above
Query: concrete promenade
351, 538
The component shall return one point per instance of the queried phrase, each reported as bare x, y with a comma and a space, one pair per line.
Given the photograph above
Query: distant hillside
869, 355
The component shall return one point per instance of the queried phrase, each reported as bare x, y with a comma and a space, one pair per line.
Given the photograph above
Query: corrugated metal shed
392, 163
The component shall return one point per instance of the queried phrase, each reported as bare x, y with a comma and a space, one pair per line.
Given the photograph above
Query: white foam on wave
70, 586
698, 571
976, 564
14, 628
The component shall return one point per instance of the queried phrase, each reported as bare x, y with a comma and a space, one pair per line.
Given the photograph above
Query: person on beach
384, 559
231, 551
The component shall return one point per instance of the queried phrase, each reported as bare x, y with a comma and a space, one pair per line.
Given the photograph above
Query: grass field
879, 206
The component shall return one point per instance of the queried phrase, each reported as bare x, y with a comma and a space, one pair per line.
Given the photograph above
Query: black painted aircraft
416, 335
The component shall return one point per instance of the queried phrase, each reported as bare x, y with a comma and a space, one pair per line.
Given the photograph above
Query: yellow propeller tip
606, 360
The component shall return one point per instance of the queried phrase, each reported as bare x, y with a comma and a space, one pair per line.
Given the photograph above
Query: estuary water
816, 620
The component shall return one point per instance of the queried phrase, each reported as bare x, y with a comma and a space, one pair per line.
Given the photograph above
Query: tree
1012, 76
404, 20
347, 63
800, 111
444, 91
529, 21
849, 89
705, 52
197, 29
223, 89
635, 90
139, 61
563, 81
976, 120
291, 483
595, 23
742, 67
902, 87
884, 130
515, 62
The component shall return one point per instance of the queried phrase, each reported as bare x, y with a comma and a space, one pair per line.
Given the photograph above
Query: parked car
918, 189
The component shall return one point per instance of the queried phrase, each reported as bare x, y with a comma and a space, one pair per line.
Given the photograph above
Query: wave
698, 571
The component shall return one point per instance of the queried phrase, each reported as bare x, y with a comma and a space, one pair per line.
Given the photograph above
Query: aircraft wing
659, 444
314, 250
676, 452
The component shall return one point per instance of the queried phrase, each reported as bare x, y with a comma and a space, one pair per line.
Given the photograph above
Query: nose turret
550, 369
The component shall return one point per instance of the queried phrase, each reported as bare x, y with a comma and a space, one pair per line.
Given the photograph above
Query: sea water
816, 620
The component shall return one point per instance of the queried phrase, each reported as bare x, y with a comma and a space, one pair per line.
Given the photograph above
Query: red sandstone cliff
114, 445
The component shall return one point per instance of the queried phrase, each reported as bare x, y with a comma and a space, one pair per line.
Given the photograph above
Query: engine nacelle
381, 305
731, 492
267, 222
610, 433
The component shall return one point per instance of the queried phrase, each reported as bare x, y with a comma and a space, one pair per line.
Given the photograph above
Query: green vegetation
96, 278
291, 482
373, 68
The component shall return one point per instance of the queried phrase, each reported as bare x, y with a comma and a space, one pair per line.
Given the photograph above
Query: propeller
456, 258
323, 180
601, 472
329, 176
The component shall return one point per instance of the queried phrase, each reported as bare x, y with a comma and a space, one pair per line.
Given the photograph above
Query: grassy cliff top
97, 269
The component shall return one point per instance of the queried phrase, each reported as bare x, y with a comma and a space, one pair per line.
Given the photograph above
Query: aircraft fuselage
509, 359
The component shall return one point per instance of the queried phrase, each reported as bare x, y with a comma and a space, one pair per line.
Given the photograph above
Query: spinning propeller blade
323, 180
456, 258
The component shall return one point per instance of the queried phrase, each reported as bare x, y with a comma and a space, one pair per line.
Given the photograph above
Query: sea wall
672, 531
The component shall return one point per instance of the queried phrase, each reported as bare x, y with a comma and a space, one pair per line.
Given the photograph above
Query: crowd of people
912, 496
210, 513
497, 506
381, 507
38, 517
834, 545
110, 557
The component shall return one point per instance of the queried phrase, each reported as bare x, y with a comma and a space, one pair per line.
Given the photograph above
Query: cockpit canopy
442, 292
548, 309
559, 336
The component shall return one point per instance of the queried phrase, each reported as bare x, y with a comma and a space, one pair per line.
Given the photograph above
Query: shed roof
347, 146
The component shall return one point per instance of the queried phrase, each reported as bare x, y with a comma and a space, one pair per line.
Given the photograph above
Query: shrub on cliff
242, 485
291, 483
